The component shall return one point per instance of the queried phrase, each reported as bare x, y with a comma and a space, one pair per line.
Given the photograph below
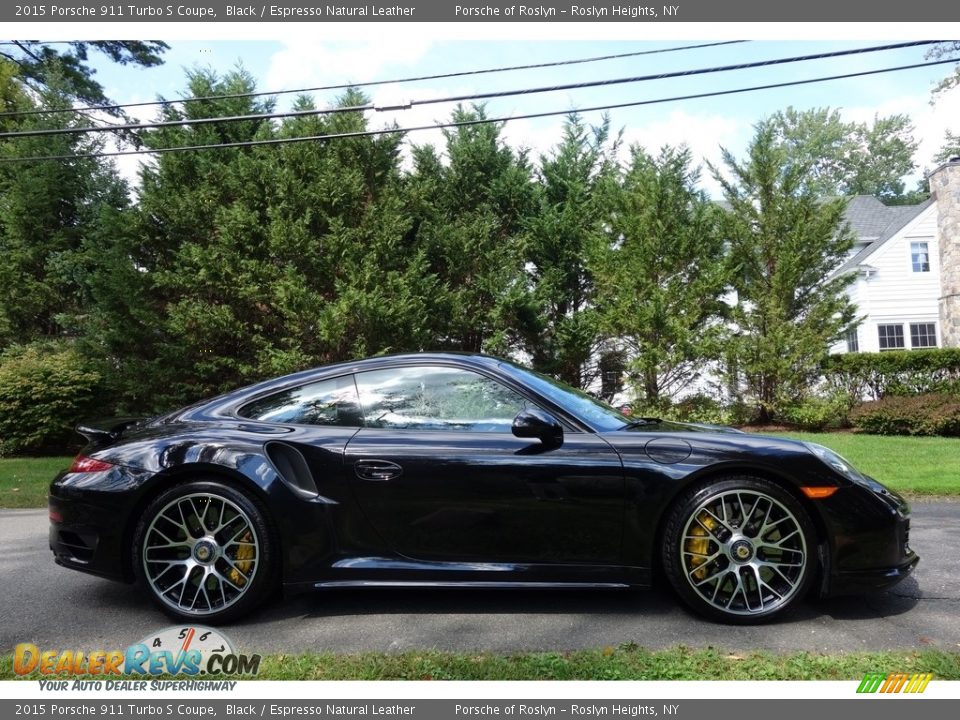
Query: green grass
912, 465
24, 481
627, 662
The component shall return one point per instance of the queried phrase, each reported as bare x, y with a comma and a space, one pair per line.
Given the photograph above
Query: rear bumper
87, 526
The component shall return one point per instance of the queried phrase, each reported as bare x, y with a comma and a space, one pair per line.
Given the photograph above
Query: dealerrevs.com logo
192, 651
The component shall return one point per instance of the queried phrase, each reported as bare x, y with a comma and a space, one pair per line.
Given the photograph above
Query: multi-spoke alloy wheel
202, 551
739, 550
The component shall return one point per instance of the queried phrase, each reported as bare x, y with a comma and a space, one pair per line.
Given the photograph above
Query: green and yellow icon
895, 682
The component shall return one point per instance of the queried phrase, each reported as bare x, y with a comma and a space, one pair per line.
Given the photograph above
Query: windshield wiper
640, 422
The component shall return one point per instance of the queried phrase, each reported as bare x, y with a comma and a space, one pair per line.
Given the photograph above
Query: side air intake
292, 468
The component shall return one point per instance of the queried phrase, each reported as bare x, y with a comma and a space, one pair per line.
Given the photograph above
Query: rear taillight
55, 516
84, 464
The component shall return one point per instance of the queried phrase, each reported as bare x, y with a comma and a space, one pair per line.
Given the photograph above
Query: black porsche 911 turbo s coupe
448, 469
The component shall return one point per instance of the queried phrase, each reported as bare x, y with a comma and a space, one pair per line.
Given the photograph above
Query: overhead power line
372, 83
474, 96
479, 121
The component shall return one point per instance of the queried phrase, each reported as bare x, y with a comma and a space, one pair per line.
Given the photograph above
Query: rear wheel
204, 551
739, 550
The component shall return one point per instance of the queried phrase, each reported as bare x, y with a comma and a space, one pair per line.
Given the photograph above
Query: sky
705, 125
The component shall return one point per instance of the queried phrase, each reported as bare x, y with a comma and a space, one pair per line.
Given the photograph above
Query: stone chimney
945, 188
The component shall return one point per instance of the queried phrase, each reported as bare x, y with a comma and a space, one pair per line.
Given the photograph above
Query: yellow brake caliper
699, 545
243, 561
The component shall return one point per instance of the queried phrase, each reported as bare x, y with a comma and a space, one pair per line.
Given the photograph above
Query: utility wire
372, 83
473, 97
479, 121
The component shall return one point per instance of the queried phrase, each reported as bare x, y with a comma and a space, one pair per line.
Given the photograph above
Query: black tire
205, 551
740, 550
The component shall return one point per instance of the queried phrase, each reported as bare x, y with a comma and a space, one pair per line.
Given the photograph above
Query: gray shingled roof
871, 220
868, 216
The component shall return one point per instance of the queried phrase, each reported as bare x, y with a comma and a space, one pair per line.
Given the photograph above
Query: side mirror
535, 423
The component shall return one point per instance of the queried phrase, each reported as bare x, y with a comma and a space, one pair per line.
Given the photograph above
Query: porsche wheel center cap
204, 551
741, 551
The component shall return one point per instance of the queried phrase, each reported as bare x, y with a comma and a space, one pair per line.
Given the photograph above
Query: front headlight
835, 461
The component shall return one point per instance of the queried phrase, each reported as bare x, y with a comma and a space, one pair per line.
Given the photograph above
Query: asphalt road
60, 609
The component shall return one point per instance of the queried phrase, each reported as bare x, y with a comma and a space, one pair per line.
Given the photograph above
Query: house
907, 265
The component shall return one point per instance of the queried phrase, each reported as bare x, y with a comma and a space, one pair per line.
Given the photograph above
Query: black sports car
449, 469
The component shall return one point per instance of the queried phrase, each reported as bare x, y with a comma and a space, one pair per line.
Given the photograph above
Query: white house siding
887, 290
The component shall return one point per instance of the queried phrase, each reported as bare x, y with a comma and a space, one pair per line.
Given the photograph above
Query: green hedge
45, 389
902, 372
930, 414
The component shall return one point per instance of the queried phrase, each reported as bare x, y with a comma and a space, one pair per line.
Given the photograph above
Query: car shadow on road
896, 601
651, 602
639, 602
470, 601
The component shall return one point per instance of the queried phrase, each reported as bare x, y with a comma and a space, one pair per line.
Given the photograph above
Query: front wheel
204, 551
740, 550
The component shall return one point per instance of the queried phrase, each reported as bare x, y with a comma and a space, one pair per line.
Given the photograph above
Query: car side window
436, 398
329, 402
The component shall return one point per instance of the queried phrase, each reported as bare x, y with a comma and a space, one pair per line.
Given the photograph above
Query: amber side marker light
818, 493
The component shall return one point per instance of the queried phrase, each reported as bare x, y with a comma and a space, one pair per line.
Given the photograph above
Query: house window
853, 342
923, 335
920, 256
891, 337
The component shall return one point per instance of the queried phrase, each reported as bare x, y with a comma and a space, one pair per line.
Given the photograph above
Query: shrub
700, 409
817, 413
929, 414
45, 389
907, 372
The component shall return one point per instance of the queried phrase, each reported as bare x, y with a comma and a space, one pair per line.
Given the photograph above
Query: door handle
377, 470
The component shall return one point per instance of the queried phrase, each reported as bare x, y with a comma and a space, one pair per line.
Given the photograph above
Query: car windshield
578, 403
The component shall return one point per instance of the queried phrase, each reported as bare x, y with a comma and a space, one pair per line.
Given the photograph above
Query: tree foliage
662, 275
847, 158
251, 262
240, 263
784, 244
559, 329
51, 215
950, 147
946, 50
40, 64
469, 213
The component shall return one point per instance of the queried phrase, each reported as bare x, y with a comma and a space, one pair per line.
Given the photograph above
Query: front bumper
872, 540
860, 581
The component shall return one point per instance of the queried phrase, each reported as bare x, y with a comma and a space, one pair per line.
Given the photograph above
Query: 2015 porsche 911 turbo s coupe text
455, 469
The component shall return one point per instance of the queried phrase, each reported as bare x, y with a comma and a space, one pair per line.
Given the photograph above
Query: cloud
307, 62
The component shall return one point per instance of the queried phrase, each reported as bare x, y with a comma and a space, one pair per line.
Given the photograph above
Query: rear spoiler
107, 430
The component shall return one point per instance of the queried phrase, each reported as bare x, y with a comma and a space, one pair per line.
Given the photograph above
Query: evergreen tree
53, 213
662, 275
469, 214
785, 243
560, 330
950, 147
254, 261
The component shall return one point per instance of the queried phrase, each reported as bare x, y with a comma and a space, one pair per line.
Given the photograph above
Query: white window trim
910, 243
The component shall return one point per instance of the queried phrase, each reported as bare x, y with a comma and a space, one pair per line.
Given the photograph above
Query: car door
439, 474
